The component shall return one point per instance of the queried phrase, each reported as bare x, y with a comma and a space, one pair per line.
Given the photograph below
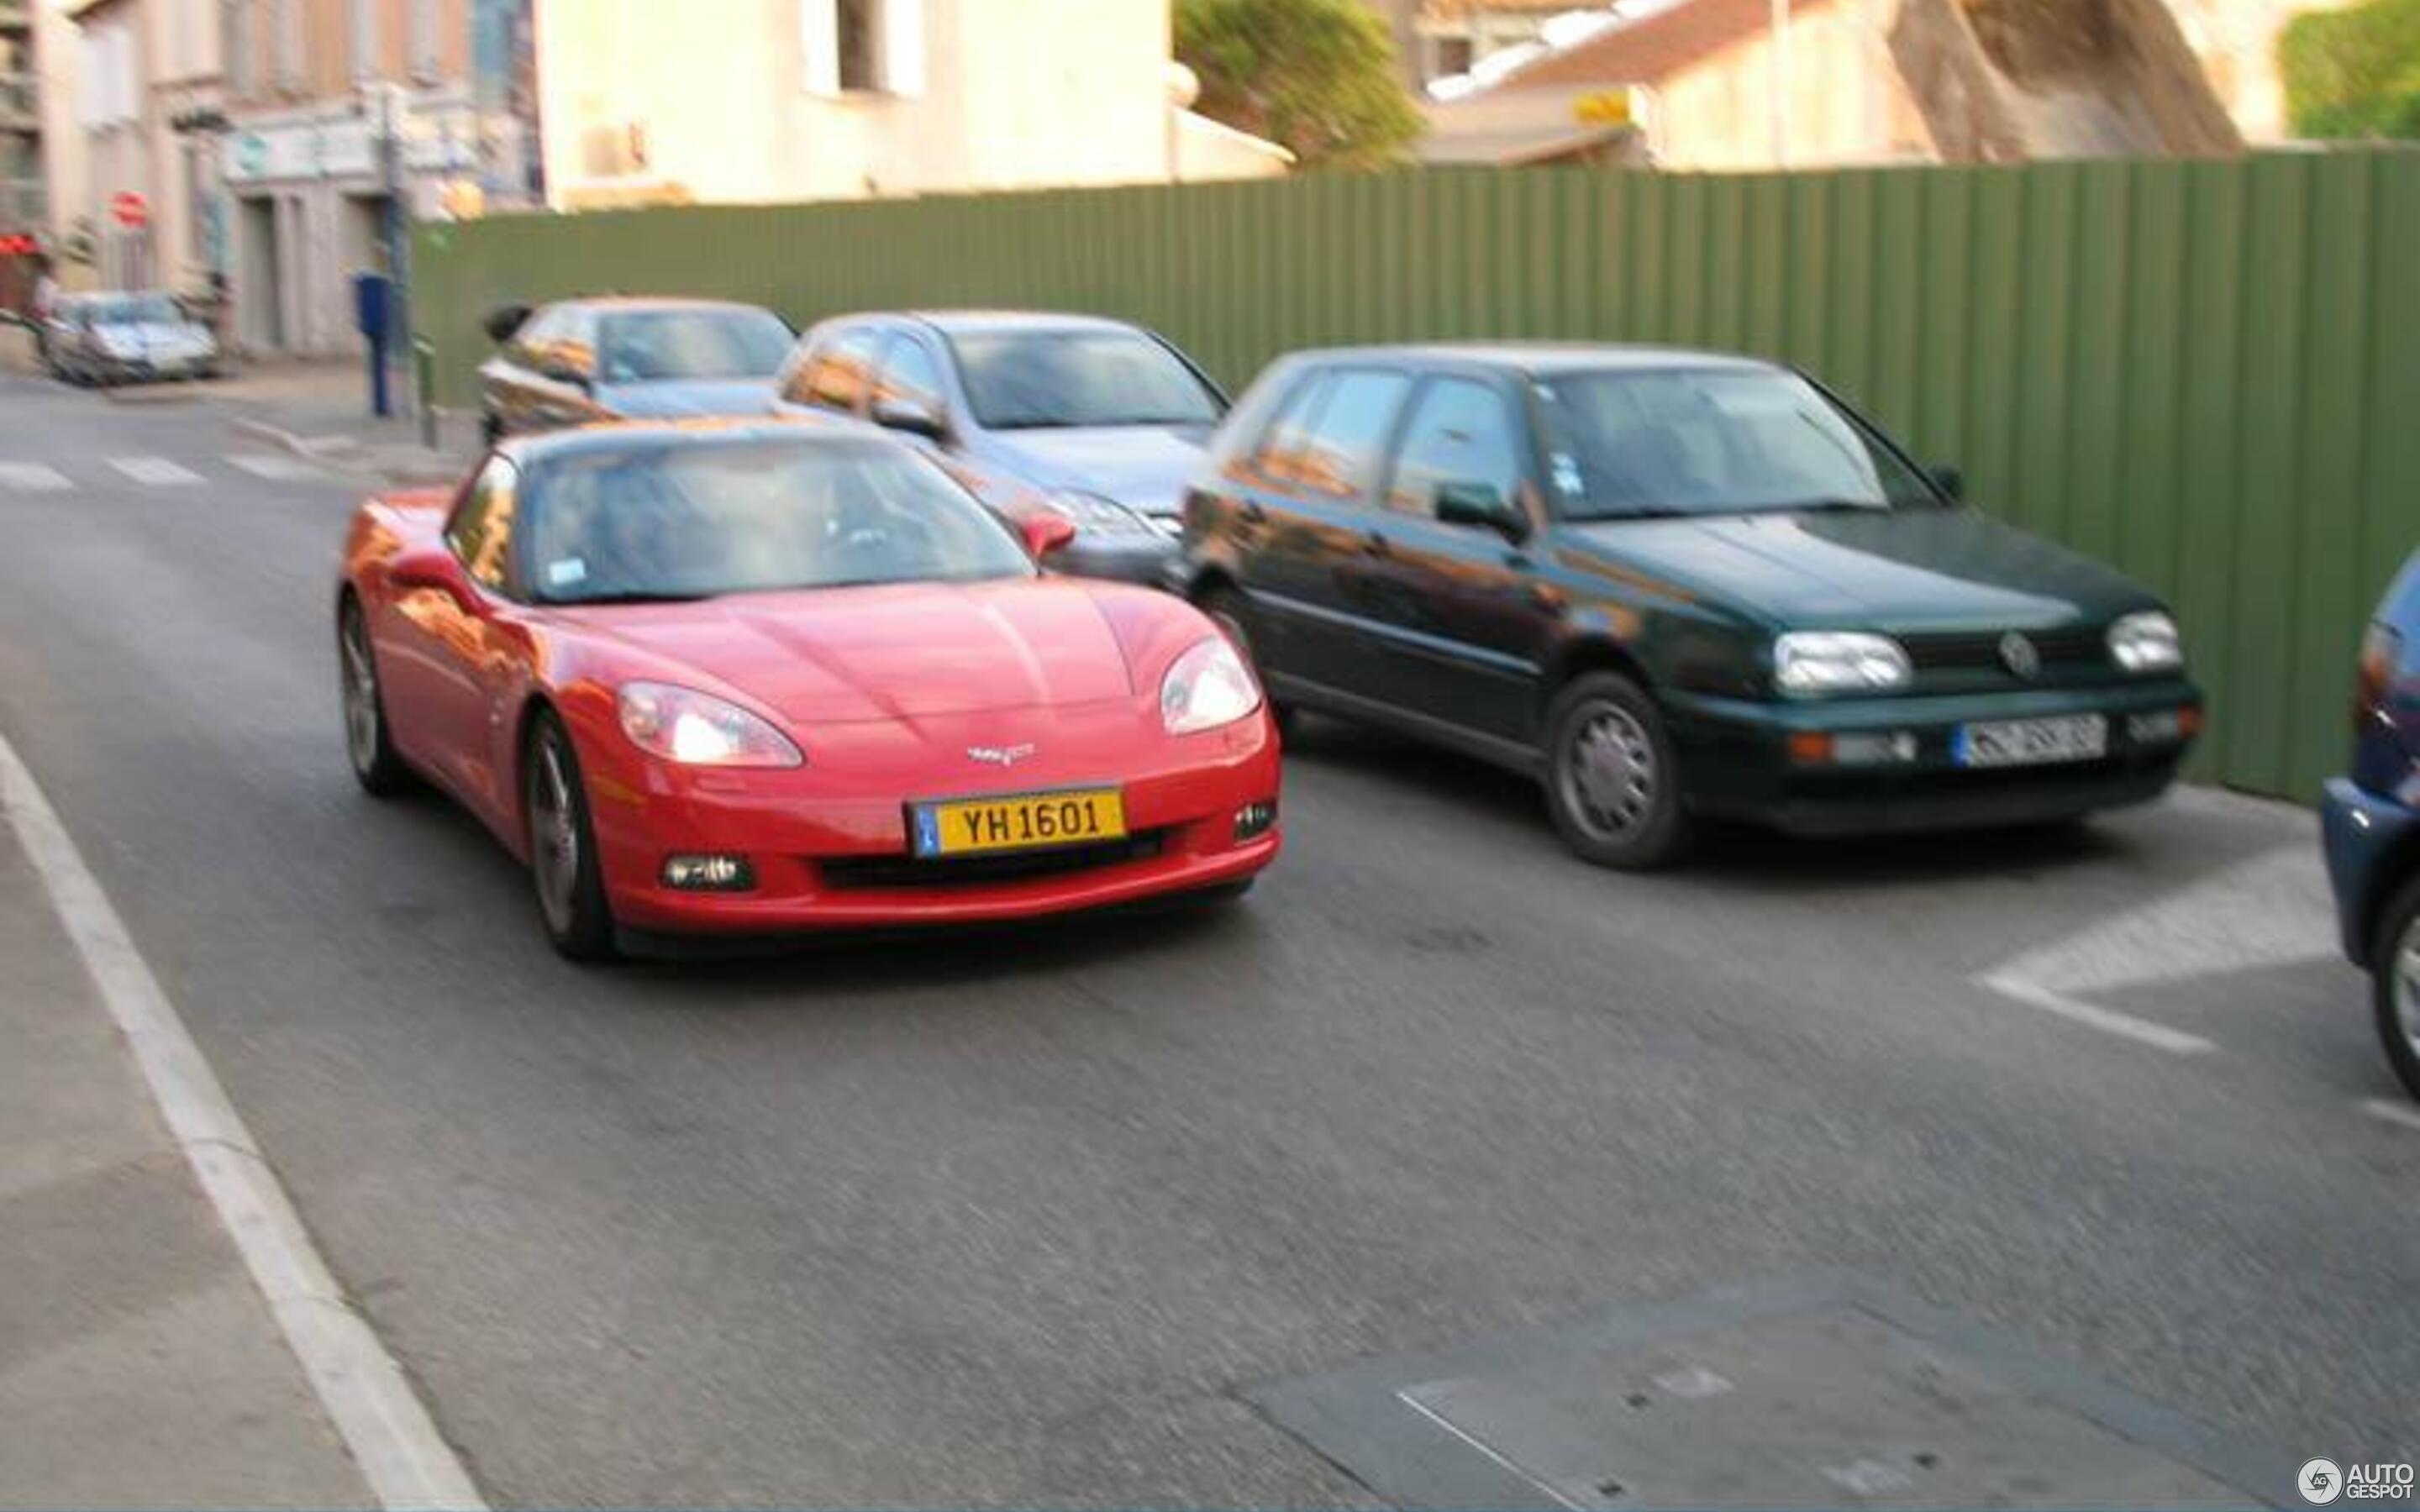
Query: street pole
1781, 84
397, 225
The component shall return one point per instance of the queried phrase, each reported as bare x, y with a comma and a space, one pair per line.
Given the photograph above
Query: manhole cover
1809, 1395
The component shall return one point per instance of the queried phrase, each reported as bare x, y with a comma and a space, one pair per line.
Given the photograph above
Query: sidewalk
320, 410
138, 1363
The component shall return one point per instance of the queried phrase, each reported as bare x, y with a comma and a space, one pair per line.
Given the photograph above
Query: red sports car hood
902, 650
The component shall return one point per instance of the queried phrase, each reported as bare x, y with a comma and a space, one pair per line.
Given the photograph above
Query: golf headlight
695, 729
1207, 686
1836, 661
1093, 514
2146, 642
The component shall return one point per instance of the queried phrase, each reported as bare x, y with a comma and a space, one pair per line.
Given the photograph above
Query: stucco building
787, 100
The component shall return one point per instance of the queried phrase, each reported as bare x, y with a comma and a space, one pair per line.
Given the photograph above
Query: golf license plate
1016, 821
2075, 737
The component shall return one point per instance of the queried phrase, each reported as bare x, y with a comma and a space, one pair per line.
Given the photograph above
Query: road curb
394, 1442
318, 448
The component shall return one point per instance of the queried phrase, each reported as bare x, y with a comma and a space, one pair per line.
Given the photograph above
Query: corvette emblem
2018, 655
999, 755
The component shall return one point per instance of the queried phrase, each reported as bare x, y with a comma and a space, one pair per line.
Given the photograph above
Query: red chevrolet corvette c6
766, 679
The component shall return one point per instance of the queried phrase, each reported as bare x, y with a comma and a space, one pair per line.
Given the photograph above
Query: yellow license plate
1016, 822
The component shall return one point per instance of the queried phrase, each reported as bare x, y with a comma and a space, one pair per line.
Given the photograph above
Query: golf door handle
1252, 512
1376, 545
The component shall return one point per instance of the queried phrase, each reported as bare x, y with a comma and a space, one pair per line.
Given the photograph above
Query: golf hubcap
1609, 780
2407, 985
361, 696
554, 833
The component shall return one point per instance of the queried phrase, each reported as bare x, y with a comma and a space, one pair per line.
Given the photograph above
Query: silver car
1093, 420
127, 337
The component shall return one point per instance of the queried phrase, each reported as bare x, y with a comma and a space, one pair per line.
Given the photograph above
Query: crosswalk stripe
274, 467
156, 471
32, 477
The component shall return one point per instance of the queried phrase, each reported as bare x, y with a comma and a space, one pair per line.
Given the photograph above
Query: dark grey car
581, 361
1094, 419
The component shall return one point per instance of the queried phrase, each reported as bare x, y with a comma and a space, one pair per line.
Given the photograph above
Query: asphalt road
1023, 1218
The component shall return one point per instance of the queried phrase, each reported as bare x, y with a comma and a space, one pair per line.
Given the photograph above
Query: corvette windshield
679, 521
1041, 380
1714, 442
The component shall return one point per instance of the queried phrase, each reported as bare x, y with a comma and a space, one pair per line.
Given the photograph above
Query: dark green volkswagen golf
1673, 586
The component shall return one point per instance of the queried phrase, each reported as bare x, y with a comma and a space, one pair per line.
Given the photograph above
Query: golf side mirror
1483, 505
1952, 482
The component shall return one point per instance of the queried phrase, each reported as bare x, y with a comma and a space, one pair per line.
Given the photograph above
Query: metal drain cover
1813, 1394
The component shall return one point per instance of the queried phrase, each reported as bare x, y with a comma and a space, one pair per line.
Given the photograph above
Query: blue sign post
370, 308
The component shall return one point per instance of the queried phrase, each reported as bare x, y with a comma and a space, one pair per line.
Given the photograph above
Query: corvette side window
481, 532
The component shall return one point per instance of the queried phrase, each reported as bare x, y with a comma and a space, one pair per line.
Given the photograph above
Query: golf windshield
687, 520
135, 310
1713, 440
653, 346
1033, 379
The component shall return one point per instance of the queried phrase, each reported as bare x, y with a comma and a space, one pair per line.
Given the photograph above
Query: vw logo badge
999, 755
2018, 655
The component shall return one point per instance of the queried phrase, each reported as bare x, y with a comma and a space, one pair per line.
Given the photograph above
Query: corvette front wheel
562, 847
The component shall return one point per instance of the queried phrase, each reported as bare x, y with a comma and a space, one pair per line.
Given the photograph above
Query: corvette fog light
710, 873
1254, 819
1874, 749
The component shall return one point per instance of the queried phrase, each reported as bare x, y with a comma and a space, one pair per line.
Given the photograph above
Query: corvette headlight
1207, 686
2146, 642
1839, 661
1093, 514
681, 724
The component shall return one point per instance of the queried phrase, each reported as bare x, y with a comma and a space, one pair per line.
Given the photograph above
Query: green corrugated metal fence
2208, 373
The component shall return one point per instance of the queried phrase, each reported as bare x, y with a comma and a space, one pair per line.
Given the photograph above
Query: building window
424, 42
1454, 54
285, 37
862, 46
235, 41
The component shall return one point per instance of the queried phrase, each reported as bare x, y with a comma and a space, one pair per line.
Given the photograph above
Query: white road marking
156, 471
32, 477
1438, 1418
2404, 1114
2107, 1019
276, 469
393, 1442
2270, 910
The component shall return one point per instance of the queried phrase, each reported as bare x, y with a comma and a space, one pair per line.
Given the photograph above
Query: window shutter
819, 43
365, 48
903, 46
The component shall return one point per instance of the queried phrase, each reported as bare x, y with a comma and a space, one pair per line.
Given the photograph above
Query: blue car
1095, 421
2373, 824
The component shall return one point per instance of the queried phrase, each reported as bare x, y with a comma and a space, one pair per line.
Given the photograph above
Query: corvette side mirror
434, 567
1044, 532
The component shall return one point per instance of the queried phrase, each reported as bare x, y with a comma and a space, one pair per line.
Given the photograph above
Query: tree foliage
2353, 73
1316, 76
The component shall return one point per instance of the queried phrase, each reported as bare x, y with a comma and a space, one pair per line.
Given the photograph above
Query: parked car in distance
2371, 824
1671, 584
576, 362
1096, 420
722, 678
122, 336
